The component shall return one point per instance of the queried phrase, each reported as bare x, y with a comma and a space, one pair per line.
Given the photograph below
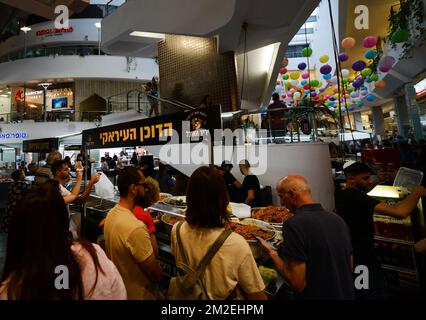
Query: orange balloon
380, 84
348, 43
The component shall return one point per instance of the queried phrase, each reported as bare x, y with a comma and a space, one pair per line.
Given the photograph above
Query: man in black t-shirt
357, 209
250, 187
232, 184
316, 257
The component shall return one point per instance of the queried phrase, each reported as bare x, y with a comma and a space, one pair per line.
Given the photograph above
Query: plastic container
407, 178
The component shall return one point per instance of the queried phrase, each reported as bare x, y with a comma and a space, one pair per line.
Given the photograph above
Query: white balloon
345, 73
297, 95
295, 83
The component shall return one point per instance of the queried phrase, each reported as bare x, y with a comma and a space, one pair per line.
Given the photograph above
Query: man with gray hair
316, 257
44, 173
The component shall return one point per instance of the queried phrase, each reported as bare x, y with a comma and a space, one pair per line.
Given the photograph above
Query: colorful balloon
358, 65
370, 54
324, 58
295, 75
366, 72
387, 61
400, 35
384, 69
295, 83
305, 75
343, 57
374, 77
301, 66
285, 76
314, 83
348, 43
369, 42
380, 84
325, 69
371, 97
284, 63
306, 52
283, 71
345, 73
327, 76
297, 95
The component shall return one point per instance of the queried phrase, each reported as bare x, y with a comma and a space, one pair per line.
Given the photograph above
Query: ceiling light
98, 25
25, 29
3, 95
148, 34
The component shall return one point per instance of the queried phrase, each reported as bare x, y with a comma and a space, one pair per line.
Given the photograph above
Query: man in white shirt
61, 173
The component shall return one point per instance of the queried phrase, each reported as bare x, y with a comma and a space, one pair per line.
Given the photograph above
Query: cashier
357, 209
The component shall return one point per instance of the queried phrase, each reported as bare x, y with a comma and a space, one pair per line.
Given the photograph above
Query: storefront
49, 101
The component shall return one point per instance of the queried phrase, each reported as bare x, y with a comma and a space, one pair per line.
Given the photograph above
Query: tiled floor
3, 237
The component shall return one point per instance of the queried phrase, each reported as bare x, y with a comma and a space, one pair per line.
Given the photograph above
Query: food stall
155, 131
405, 269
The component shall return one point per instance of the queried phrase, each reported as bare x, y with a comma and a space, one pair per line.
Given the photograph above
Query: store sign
156, 131
53, 32
73, 147
18, 135
40, 145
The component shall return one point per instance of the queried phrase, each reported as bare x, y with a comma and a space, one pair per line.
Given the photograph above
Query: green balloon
306, 52
400, 35
366, 72
314, 83
374, 77
345, 81
285, 76
350, 89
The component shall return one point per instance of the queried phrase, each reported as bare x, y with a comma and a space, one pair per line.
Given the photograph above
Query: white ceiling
269, 21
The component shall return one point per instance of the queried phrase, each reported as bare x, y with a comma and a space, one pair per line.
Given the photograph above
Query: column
357, 121
402, 116
378, 121
413, 110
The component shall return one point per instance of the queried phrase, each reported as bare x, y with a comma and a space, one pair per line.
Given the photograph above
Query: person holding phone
316, 256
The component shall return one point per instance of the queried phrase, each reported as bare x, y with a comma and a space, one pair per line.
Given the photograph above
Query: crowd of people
317, 258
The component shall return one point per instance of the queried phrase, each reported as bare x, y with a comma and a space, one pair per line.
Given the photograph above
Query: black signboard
73, 147
40, 145
188, 126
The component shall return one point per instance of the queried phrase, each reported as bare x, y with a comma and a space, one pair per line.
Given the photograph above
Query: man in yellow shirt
127, 240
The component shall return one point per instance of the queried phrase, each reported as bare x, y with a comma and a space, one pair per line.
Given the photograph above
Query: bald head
294, 182
294, 192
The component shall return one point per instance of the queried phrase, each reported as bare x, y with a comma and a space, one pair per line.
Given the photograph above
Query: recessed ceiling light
25, 29
148, 34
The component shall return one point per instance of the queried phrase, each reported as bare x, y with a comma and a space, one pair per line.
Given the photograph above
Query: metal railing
82, 50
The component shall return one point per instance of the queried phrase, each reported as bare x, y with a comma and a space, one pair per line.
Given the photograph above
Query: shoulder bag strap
212, 251
179, 241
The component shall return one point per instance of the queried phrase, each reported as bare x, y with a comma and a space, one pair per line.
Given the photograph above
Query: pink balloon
305, 75
387, 61
384, 69
369, 42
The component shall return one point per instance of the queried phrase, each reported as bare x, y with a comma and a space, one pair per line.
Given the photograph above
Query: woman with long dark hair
232, 272
41, 261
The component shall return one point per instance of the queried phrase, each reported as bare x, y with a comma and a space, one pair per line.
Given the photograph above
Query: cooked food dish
179, 202
163, 197
250, 231
271, 214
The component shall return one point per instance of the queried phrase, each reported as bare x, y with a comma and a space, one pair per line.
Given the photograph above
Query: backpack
187, 285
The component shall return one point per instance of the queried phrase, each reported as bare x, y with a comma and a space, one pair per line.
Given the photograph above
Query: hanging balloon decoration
369, 42
306, 52
348, 43
301, 66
